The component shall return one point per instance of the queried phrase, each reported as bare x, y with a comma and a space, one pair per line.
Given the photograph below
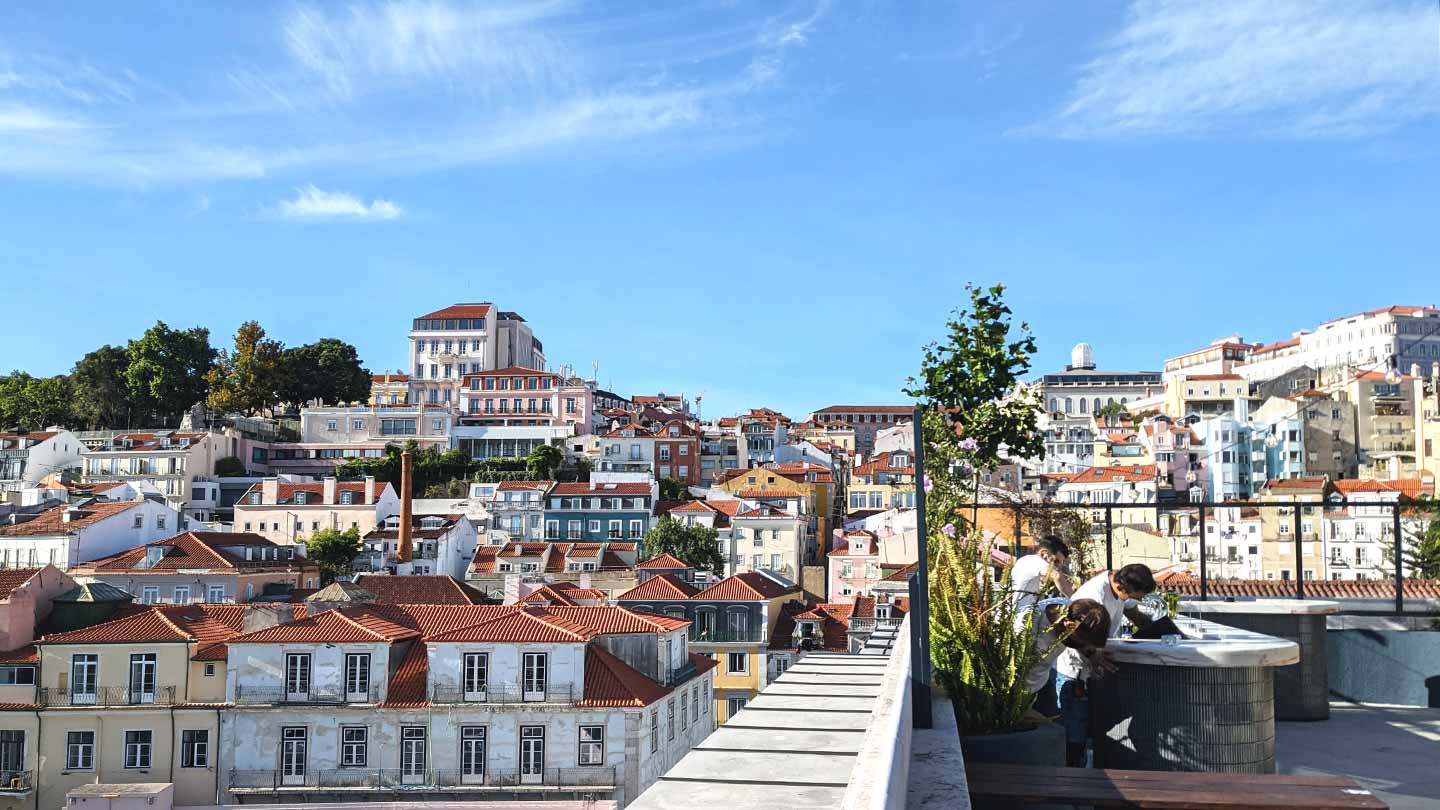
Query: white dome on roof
1082, 356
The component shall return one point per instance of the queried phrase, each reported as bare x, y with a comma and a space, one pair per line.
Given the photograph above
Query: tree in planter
333, 551
696, 545
977, 413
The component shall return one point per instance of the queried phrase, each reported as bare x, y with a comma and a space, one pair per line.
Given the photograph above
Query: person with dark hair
1033, 574
1083, 626
1116, 591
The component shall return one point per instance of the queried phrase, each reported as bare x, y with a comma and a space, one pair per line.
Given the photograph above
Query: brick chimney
404, 553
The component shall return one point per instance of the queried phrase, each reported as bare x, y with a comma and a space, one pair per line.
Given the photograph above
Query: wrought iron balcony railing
269, 695
507, 694
16, 783
752, 635
108, 696
397, 779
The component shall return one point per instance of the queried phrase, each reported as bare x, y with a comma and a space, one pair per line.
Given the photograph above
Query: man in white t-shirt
1030, 580
1112, 589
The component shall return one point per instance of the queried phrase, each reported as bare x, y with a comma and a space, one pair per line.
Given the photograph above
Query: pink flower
969, 445
929, 485
948, 529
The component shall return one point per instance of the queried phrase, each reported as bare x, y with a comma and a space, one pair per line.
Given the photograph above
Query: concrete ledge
882, 768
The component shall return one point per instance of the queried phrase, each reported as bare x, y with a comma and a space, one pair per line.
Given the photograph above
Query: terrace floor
1393, 751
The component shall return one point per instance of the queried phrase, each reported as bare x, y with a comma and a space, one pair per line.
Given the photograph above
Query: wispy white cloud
312, 204
23, 118
778, 36
1269, 68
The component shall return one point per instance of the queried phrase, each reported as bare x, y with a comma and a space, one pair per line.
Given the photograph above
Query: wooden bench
1010, 785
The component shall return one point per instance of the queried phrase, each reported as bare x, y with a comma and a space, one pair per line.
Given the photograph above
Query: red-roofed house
446, 703
497, 571
203, 567
173, 460
66, 535
27, 458
677, 452
288, 512
443, 545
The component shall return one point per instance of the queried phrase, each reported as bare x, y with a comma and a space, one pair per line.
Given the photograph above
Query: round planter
1043, 745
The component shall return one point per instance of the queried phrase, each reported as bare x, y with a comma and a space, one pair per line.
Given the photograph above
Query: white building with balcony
173, 460
449, 343
27, 458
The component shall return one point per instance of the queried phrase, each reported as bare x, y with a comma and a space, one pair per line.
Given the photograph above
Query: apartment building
1279, 528
442, 545
1385, 422
864, 420
1358, 539
524, 397
607, 566
1071, 397
449, 343
1177, 452
886, 481
731, 621
1426, 394
28, 457
212, 567
758, 432
173, 460
287, 512
389, 389
373, 427
628, 449
677, 452
448, 703
719, 452
69, 534
517, 510
1233, 536
593, 512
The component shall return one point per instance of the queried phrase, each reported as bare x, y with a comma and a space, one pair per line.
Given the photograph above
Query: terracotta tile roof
622, 546
764, 511
694, 507
664, 562
52, 521
881, 463
1284, 344
864, 607
394, 377
431, 620
834, 622
514, 371
747, 587
1127, 473
1407, 487
605, 620
148, 442
206, 625
484, 561
549, 596
1314, 589
526, 486
459, 311
361, 623
1213, 377
629, 432
519, 626
907, 410
1297, 483
584, 550
610, 561
666, 587
771, 494
192, 550
611, 683
286, 493
903, 574
420, 589
36, 436
407, 688
29, 654
18, 707
12, 578
579, 488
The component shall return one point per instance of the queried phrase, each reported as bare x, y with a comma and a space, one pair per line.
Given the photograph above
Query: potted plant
977, 414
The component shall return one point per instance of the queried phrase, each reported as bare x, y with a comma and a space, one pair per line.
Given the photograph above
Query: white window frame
138, 750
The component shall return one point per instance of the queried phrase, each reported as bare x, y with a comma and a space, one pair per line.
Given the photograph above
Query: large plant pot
1043, 745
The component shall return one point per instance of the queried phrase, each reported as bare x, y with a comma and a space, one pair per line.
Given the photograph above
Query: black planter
1043, 745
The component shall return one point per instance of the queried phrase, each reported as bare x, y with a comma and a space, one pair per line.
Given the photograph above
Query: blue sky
776, 203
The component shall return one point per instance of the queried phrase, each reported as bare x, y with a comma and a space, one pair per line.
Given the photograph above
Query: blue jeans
1074, 700
1046, 702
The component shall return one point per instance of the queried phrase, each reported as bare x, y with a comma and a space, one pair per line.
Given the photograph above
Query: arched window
1068, 409
1124, 400
1054, 406
1084, 405
1111, 401
1097, 405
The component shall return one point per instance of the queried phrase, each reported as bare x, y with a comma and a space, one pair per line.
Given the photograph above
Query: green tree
544, 460
328, 370
1112, 412
33, 403
102, 396
333, 551
229, 467
167, 368
673, 490
247, 379
1421, 540
695, 544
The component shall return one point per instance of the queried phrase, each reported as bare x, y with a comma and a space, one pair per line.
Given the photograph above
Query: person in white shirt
1113, 590
1030, 579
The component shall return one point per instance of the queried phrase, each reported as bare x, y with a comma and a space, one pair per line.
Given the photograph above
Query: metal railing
1303, 561
508, 694
269, 695
108, 696
13, 782
721, 635
396, 779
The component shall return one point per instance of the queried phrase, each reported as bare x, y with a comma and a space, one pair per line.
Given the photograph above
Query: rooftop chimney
404, 553
270, 490
327, 489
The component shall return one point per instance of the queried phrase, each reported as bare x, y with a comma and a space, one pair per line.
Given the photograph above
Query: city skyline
815, 176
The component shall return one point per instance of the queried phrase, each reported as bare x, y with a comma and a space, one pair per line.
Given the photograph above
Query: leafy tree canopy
333, 551
101, 392
673, 490
247, 379
327, 370
167, 368
695, 544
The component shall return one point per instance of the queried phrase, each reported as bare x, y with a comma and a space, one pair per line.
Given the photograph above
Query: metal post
1109, 539
1399, 559
1299, 556
1204, 571
1018, 533
920, 595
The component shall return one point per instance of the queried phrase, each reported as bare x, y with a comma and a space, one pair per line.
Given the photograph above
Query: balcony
16, 783
508, 695
385, 779
754, 635
273, 696
108, 696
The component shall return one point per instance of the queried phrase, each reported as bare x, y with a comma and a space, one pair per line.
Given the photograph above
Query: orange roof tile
666, 587
516, 626
420, 589
580, 488
470, 311
52, 521
13, 578
663, 562
361, 623
747, 587
408, 684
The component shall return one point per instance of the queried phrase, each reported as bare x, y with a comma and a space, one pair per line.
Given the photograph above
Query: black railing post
1109, 538
1299, 556
1019, 533
1204, 569
920, 593
1399, 559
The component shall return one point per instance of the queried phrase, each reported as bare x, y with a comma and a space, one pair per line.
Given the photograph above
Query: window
737, 663
670, 718
80, 751
297, 676
592, 745
17, 676
695, 704
472, 753
534, 675
12, 751
293, 745
532, 753
209, 670
195, 749
357, 676
331, 424
301, 498
733, 706
412, 752
215, 593
84, 669
138, 746
475, 675
354, 746
684, 710
142, 678
654, 730
182, 594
